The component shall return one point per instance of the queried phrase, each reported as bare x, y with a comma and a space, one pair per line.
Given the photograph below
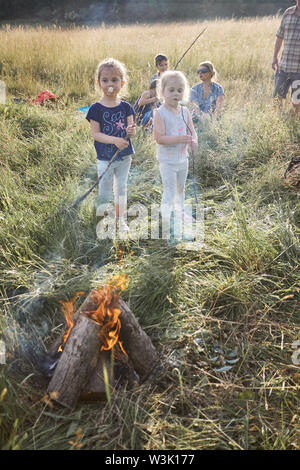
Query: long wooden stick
200, 34
81, 198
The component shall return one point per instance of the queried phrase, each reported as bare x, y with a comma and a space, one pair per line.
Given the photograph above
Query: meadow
239, 292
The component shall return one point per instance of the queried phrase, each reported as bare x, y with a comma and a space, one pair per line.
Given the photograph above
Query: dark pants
285, 80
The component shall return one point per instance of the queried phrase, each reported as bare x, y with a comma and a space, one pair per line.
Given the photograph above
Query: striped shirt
289, 31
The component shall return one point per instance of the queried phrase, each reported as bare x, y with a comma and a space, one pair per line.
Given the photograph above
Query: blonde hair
166, 77
114, 64
210, 67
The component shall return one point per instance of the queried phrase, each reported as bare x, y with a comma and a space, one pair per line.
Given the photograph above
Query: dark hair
159, 58
153, 84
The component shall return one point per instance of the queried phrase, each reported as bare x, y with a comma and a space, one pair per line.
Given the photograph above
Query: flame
68, 311
106, 312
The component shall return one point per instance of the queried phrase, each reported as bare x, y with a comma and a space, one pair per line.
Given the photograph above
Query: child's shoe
188, 237
187, 219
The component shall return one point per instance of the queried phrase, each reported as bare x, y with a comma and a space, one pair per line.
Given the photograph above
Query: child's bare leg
278, 102
296, 108
119, 210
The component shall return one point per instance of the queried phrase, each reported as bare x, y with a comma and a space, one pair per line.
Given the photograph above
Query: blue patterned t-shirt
113, 121
206, 105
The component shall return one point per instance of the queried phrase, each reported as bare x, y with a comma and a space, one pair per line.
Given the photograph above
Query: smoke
26, 324
98, 12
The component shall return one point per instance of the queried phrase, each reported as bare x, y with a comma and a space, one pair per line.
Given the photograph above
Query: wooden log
95, 387
142, 356
120, 372
87, 305
77, 362
136, 342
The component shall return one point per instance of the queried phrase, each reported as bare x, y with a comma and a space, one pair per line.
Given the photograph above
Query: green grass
239, 292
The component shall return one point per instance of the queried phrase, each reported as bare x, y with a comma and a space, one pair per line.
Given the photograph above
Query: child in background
112, 124
173, 132
161, 64
145, 104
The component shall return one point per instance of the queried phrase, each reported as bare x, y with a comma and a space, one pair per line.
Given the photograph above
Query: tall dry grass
65, 60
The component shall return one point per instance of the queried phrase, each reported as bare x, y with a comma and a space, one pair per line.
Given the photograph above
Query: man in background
288, 69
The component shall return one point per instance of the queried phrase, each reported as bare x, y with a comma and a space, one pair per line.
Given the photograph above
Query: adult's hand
275, 63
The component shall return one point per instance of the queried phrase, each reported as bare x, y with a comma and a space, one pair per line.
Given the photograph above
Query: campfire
102, 345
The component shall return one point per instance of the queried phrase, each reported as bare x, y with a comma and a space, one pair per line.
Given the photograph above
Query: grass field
240, 292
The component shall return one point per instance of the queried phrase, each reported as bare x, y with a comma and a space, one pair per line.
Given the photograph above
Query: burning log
87, 365
88, 305
136, 342
95, 388
118, 371
76, 364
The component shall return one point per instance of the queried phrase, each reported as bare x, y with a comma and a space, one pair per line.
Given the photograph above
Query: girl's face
173, 92
110, 81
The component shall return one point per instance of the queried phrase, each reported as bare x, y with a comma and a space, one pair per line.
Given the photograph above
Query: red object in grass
45, 95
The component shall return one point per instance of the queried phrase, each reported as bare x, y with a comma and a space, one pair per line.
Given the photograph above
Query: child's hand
185, 139
194, 145
121, 143
131, 130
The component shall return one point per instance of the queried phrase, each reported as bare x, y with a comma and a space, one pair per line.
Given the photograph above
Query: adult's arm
278, 44
219, 105
194, 99
195, 108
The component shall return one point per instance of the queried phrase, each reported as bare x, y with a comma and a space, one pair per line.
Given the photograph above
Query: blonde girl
112, 124
174, 133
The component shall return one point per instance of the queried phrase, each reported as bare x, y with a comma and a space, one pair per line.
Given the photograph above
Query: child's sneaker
187, 219
188, 237
172, 242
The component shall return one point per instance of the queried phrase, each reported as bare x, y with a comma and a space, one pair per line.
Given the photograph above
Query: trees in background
132, 10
